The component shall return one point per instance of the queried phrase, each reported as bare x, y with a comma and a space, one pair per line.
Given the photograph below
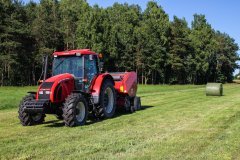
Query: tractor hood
59, 78
56, 88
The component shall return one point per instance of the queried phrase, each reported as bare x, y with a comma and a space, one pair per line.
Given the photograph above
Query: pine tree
71, 12
153, 41
202, 41
180, 49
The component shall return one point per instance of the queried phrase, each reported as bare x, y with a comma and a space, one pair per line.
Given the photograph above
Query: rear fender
96, 85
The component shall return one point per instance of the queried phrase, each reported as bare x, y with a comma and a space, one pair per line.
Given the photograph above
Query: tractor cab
82, 64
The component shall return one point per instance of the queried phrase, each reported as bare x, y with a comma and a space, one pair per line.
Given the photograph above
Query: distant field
177, 122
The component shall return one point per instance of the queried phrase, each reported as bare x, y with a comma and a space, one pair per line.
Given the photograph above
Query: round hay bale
214, 89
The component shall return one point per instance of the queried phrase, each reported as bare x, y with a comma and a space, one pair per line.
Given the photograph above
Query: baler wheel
75, 110
132, 109
107, 106
28, 119
129, 105
137, 103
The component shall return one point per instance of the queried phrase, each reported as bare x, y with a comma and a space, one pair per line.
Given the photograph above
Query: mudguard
56, 88
96, 85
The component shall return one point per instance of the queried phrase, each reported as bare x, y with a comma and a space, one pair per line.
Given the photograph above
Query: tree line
146, 41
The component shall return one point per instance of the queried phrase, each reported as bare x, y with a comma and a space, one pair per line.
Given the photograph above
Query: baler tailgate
125, 82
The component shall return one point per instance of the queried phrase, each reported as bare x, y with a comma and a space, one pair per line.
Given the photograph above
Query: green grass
178, 122
10, 96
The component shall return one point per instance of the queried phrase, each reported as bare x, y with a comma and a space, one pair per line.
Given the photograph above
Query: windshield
72, 65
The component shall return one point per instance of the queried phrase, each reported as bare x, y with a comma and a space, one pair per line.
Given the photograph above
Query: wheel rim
37, 117
80, 112
108, 100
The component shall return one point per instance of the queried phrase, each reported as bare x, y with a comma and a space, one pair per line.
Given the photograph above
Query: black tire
128, 105
132, 109
137, 103
28, 119
75, 110
107, 107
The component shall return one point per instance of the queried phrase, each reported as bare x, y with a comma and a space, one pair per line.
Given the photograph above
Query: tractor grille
46, 85
44, 96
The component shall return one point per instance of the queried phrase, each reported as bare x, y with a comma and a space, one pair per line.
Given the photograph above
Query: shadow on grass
146, 107
92, 119
54, 123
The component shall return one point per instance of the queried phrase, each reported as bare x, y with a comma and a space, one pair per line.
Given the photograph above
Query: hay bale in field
214, 89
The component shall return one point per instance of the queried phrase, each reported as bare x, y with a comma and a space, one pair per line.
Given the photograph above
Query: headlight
40, 92
47, 92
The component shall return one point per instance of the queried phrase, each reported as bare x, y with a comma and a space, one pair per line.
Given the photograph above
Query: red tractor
77, 88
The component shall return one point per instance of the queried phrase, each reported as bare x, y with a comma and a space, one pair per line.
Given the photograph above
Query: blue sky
223, 15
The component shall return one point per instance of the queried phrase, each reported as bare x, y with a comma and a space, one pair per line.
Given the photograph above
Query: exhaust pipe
45, 67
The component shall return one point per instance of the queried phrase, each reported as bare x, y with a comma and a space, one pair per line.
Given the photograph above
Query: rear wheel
28, 119
75, 110
107, 106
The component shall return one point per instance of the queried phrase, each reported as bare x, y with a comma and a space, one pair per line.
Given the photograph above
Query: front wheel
28, 119
75, 110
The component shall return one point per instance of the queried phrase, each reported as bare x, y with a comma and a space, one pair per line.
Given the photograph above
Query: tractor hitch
35, 106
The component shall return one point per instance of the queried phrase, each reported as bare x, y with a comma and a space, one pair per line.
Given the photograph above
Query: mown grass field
178, 122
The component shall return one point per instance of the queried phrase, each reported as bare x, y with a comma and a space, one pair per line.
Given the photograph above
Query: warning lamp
40, 81
100, 55
121, 88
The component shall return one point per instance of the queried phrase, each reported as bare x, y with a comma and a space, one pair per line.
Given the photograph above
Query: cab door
90, 69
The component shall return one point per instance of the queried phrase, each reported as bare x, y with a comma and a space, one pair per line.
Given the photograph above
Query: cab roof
74, 52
